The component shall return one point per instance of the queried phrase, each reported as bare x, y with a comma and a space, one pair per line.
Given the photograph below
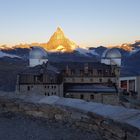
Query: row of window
50, 87
49, 94
90, 72
91, 80
82, 96
29, 87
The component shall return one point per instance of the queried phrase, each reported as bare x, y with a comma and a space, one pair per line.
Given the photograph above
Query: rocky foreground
64, 119
15, 126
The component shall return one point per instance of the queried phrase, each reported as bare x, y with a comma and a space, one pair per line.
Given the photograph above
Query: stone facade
47, 89
105, 98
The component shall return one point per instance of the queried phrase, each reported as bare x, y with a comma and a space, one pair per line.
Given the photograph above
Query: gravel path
20, 127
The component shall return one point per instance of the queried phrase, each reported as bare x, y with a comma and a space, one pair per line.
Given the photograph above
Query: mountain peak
59, 42
59, 29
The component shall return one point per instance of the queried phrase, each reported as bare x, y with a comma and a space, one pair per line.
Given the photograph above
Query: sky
89, 23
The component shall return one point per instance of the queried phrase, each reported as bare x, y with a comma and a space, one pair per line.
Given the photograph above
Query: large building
90, 81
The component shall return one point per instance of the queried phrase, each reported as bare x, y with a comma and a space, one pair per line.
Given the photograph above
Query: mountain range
59, 43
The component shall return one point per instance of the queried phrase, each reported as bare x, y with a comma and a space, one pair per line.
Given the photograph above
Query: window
71, 96
28, 88
99, 72
100, 80
90, 72
45, 94
52, 86
44, 86
48, 94
52, 80
39, 78
81, 96
73, 79
72, 72
48, 86
92, 97
91, 80
109, 82
81, 72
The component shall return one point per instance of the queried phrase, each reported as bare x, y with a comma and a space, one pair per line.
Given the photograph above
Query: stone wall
112, 122
47, 89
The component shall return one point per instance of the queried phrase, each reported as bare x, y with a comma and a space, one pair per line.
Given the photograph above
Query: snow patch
2, 54
133, 52
87, 52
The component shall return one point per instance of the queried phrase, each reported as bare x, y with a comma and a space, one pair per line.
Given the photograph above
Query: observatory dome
37, 56
38, 53
111, 53
111, 57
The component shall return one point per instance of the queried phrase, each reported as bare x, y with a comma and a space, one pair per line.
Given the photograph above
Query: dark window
48, 94
71, 96
28, 88
81, 72
81, 96
109, 82
72, 72
90, 72
99, 72
54, 86
52, 80
91, 96
44, 86
45, 94
100, 80
40, 78
48, 86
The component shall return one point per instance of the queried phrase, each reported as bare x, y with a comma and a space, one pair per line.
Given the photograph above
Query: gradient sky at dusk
87, 22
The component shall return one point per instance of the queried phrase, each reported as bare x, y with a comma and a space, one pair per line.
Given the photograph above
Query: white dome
38, 53
111, 57
111, 53
37, 56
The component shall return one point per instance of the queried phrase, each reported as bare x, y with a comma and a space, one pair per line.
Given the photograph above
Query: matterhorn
60, 43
